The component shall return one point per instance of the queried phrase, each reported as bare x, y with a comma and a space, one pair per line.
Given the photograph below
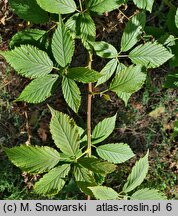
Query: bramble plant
80, 154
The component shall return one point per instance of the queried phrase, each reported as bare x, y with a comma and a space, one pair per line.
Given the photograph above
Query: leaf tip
51, 109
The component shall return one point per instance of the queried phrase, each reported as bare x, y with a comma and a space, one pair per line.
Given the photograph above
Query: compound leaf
29, 61
82, 74
148, 194
39, 89
64, 133
115, 152
103, 129
52, 182
150, 55
101, 6
71, 93
107, 71
29, 10
137, 175
62, 45
58, 6
104, 193
132, 31
104, 49
33, 159
144, 4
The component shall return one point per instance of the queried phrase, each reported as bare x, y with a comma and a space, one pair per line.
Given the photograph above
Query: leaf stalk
80, 3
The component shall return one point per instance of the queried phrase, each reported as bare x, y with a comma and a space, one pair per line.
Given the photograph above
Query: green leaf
58, 6
173, 62
104, 193
115, 152
39, 89
171, 21
52, 182
132, 32
120, 67
106, 97
66, 158
124, 96
71, 93
29, 61
107, 71
138, 174
175, 131
62, 45
27, 36
171, 80
100, 179
87, 29
83, 135
150, 55
144, 4
64, 133
176, 18
72, 25
104, 49
97, 166
83, 186
33, 159
29, 10
103, 129
84, 179
167, 40
156, 32
128, 81
101, 6
148, 194
82, 174
82, 74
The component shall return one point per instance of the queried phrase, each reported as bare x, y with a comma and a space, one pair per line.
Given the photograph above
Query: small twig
1, 87
52, 27
27, 125
124, 14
